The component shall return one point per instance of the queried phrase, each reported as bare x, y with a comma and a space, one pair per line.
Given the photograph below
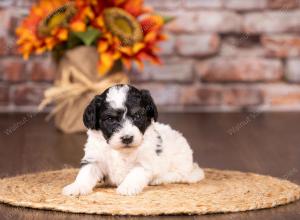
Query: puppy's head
123, 114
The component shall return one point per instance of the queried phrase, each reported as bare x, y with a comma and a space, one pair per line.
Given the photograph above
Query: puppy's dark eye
110, 119
137, 116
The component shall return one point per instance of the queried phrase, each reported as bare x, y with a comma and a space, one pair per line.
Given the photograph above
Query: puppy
127, 148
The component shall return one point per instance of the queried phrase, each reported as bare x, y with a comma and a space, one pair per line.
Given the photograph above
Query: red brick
174, 69
198, 45
283, 96
218, 95
16, 16
165, 4
281, 45
6, 3
13, 48
245, 45
242, 96
248, 69
28, 94
163, 94
184, 22
293, 70
218, 21
167, 47
231, 50
206, 21
272, 22
42, 70
245, 5
4, 95
24, 3
5, 14
13, 25
206, 95
13, 70
8, 46
283, 4
136, 75
4, 50
192, 4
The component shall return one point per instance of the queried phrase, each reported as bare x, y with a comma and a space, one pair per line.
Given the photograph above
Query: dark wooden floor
262, 143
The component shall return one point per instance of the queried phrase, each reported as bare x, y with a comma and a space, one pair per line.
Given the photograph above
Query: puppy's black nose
127, 139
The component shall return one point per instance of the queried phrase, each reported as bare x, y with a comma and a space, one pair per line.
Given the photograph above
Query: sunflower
44, 17
131, 33
127, 39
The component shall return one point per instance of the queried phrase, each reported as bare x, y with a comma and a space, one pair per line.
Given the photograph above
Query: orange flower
112, 49
123, 30
29, 38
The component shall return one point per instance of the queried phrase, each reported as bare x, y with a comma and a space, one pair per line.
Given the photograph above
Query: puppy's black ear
149, 105
90, 115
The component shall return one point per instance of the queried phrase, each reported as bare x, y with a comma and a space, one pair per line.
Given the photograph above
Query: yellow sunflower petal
40, 50
89, 13
116, 55
106, 63
126, 50
151, 36
78, 26
100, 21
126, 62
102, 46
137, 47
26, 55
50, 43
140, 65
62, 34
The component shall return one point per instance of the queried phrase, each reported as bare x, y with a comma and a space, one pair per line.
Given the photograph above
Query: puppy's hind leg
170, 177
195, 175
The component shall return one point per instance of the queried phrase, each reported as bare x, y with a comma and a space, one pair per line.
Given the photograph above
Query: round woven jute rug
220, 192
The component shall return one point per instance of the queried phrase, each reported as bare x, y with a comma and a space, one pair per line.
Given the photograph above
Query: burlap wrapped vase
76, 83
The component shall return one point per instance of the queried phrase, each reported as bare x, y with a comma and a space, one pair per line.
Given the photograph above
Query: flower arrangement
123, 31
88, 37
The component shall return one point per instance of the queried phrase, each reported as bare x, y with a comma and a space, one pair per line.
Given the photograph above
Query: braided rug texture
221, 192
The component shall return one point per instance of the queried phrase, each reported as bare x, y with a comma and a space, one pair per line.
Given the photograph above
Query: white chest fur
118, 166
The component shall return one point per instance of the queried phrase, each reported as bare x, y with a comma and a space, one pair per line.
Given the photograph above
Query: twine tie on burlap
66, 91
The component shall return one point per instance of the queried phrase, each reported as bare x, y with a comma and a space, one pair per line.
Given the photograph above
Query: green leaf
73, 41
89, 36
58, 51
168, 19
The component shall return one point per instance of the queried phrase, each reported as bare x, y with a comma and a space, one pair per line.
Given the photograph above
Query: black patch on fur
159, 144
149, 105
140, 110
158, 151
84, 162
91, 113
137, 109
98, 115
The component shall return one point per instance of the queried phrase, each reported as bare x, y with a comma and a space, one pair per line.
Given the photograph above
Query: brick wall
222, 55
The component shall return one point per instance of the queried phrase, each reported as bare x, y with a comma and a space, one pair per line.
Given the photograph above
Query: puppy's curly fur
128, 148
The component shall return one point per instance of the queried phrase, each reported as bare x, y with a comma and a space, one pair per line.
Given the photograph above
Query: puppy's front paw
129, 189
76, 190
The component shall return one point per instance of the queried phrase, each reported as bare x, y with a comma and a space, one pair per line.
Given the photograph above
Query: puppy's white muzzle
129, 136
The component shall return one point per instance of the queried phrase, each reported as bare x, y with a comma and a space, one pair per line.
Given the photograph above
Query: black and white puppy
128, 148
